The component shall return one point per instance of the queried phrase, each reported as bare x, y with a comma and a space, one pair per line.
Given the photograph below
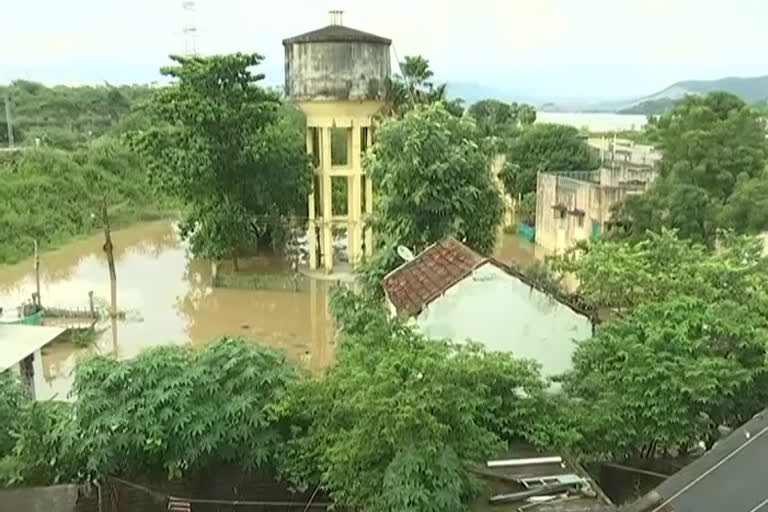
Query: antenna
189, 29
405, 253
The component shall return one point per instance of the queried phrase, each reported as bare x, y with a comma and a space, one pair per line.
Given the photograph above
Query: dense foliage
713, 147
665, 376
544, 147
173, 410
684, 347
67, 117
394, 424
495, 118
432, 180
413, 86
52, 195
223, 146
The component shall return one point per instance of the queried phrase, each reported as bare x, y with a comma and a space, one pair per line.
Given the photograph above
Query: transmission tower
189, 29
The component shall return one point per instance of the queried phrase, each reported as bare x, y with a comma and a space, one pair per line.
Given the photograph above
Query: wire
710, 470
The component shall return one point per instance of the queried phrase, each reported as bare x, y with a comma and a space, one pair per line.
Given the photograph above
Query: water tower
339, 77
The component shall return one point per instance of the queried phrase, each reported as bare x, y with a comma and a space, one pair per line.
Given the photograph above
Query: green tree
394, 424
432, 180
621, 275
666, 375
12, 396
544, 147
174, 410
413, 86
221, 145
710, 144
501, 121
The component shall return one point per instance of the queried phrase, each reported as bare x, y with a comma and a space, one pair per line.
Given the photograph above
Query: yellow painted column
369, 202
311, 225
354, 202
326, 237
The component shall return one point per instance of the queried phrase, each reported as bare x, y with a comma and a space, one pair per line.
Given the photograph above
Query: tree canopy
432, 180
222, 146
495, 118
713, 147
394, 423
67, 117
414, 86
544, 147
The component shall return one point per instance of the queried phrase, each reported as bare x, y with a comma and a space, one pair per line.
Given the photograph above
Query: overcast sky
539, 48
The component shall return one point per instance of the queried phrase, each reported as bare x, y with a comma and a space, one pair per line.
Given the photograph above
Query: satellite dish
404, 253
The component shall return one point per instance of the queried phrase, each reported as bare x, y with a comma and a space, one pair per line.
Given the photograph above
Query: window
315, 134
339, 187
363, 139
340, 146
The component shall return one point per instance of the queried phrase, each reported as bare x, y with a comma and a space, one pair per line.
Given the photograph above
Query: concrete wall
558, 230
505, 314
56, 498
337, 71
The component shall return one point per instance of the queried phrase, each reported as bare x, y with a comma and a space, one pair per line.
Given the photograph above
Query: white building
452, 292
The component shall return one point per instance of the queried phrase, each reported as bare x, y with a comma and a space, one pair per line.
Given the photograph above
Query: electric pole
8, 121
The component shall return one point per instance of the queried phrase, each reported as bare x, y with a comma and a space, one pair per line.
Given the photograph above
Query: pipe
524, 462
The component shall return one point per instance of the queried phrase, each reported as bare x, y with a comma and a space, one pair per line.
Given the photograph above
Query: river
595, 122
169, 300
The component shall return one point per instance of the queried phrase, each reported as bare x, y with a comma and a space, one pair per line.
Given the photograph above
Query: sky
537, 49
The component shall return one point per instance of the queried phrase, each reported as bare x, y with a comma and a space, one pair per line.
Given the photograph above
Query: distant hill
751, 90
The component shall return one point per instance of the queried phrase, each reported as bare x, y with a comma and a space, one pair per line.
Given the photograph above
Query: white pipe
525, 462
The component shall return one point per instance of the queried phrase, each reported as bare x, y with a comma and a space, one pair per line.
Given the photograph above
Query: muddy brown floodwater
169, 300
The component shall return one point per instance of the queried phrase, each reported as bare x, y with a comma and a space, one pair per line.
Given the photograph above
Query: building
21, 345
731, 476
624, 154
574, 206
450, 291
340, 78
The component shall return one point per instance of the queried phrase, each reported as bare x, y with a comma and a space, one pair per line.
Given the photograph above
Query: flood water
169, 299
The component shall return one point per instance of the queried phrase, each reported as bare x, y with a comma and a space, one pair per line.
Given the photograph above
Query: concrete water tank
337, 63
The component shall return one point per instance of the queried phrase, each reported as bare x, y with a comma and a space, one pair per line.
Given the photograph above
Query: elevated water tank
337, 63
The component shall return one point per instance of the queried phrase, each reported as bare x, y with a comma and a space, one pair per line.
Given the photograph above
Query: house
731, 476
20, 349
451, 292
576, 205
618, 153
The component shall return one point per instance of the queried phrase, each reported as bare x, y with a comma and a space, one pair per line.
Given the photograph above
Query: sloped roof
416, 283
336, 33
19, 341
731, 476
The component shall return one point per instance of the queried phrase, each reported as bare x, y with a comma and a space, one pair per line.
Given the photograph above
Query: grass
285, 282
54, 196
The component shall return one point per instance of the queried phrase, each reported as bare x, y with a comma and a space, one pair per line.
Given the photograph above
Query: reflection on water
171, 300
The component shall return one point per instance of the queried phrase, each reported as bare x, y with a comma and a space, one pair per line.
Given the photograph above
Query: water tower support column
326, 235
311, 224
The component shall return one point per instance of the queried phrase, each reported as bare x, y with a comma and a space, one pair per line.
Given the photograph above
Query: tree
544, 147
431, 180
710, 144
174, 410
747, 208
413, 86
394, 424
621, 275
665, 376
221, 145
495, 118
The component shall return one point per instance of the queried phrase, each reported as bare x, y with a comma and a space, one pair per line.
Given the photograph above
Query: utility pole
37, 275
8, 121
110, 260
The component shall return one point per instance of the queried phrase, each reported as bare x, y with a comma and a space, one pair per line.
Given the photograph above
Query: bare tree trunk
37, 275
235, 264
110, 261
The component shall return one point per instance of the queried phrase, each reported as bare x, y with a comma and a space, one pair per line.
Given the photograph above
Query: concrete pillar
354, 205
369, 201
326, 236
311, 225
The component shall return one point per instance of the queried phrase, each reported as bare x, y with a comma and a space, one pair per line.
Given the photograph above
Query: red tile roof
415, 284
